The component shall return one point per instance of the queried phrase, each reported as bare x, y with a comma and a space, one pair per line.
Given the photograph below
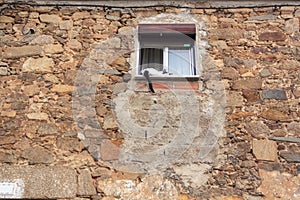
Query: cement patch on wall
181, 128
27, 182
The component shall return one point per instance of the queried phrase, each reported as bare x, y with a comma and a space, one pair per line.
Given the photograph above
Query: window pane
179, 61
151, 58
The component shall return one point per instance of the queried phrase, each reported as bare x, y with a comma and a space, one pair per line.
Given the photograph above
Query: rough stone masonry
76, 123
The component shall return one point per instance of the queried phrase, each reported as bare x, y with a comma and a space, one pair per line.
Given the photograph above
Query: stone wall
72, 113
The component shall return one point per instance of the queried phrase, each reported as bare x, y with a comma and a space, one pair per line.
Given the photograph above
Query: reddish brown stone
109, 151
230, 73
265, 150
274, 115
272, 36
247, 84
251, 95
240, 115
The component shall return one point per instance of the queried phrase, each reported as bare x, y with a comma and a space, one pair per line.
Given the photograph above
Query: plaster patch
156, 134
11, 189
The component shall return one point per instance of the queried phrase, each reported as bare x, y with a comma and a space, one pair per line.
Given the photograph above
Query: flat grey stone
290, 156
38, 182
265, 73
262, 18
285, 139
277, 94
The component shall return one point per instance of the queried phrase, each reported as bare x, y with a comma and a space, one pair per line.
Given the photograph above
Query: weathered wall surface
72, 113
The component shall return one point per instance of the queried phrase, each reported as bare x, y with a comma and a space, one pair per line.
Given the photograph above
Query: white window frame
192, 58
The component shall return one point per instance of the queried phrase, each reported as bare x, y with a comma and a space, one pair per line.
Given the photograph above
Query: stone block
272, 36
297, 13
293, 128
233, 62
251, 95
38, 65
62, 88
110, 123
287, 12
8, 113
262, 17
214, 85
230, 73
112, 43
47, 129
3, 64
256, 128
227, 33
247, 84
43, 39
290, 156
265, 150
80, 15
80, 159
234, 99
38, 155
296, 92
274, 94
51, 78
74, 44
15, 52
5, 19
112, 18
3, 71
85, 184
66, 25
7, 158
55, 19
37, 116
7, 140
289, 65
193, 175
265, 73
31, 90
69, 144
109, 151
274, 115
146, 189
292, 26
275, 184
39, 182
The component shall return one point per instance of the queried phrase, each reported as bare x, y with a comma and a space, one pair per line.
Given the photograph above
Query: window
167, 50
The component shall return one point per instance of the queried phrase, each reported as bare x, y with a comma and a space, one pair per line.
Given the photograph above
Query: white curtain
151, 58
179, 61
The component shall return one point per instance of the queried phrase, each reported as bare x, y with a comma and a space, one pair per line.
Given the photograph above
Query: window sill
168, 78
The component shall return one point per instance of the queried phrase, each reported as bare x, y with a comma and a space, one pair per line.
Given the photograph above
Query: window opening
167, 49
